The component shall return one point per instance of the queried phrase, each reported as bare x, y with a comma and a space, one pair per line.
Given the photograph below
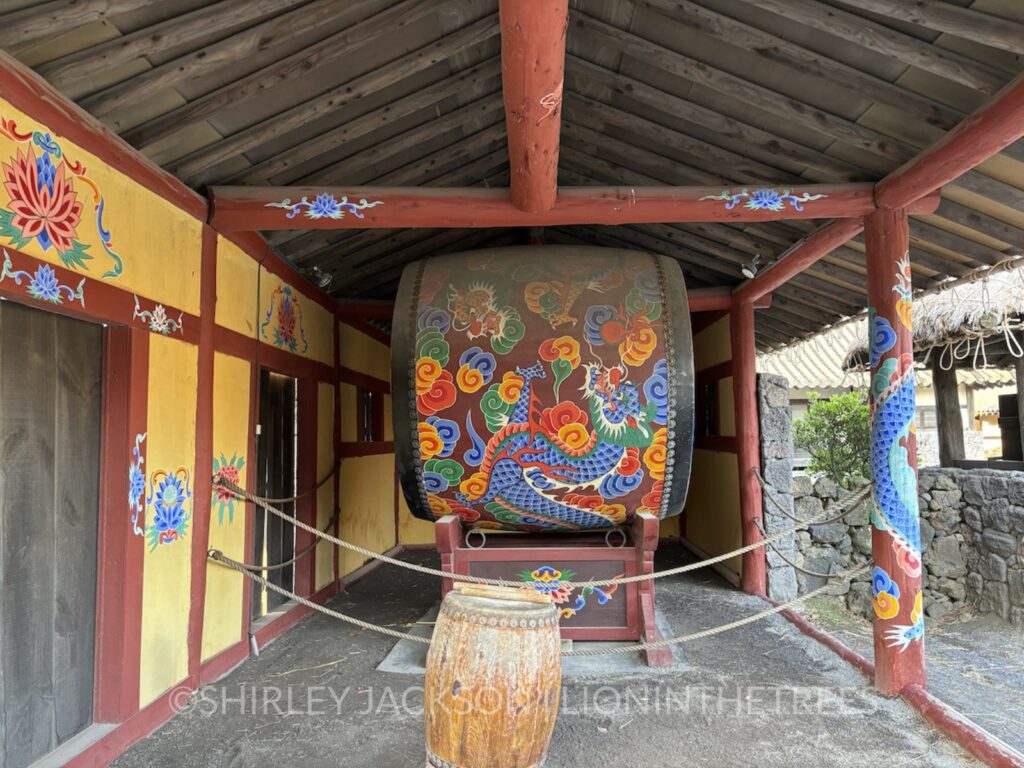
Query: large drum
543, 388
493, 679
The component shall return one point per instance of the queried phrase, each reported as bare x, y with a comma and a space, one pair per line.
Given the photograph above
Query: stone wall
972, 527
972, 540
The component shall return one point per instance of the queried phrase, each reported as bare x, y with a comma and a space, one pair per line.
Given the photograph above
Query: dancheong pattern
541, 389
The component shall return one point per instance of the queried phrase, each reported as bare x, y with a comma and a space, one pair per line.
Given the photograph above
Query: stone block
820, 560
996, 598
937, 608
1017, 617
996, 514
945, 559
782, 584
945, 519
975, 583
972, 490
860, 537
778, 474
953, 589
832, 533
825, 488
946, 480
1016, 515
927, 534
803, 485
993, 568
925, 480
995, 486
943, 499
1015, 489
972, 517
1015, 581
808, 507
858, 599
1001, 543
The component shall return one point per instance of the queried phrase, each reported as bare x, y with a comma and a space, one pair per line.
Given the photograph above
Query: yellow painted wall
159, 244
366, 486
167, 569
325, 496
412, 530
348, 413
236, 288
364, 353
713, 502
222, 621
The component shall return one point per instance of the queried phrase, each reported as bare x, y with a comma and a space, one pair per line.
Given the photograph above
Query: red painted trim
204, 451
305, 508
838, 647
887, 241
246, 208
219, 665
293, 616
347, 310
717, 372
533, 68
250, 509
710, 299
371, 331
31, 94
363, 380
336, 445
701, 321
104, 301
983, 134
975, 739
120, 554
748, 457
231, 342
354, 450
718, 443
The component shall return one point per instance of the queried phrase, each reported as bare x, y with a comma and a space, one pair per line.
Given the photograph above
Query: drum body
493, 679
543, 388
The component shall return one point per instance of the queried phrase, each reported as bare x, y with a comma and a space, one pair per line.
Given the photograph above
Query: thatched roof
974, 322
980, 308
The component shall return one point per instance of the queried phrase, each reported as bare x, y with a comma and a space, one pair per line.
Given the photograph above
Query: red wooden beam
985, 133
748, 453
355, 309
533, 67
276, 208
711, 299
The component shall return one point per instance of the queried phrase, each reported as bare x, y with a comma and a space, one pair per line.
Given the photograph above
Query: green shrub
837, 433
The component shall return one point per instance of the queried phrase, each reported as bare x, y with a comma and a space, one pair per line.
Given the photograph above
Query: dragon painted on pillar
893, 459
541, 388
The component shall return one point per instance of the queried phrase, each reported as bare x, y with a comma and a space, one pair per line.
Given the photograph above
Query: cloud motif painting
541, 389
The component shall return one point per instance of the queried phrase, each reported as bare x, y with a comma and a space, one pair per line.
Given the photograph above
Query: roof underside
708, 92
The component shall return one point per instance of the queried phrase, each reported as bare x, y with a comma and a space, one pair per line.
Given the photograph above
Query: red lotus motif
286, 320
230, 474
44, 208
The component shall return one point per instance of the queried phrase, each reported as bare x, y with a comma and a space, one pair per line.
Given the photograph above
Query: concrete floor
975, 662
762, 695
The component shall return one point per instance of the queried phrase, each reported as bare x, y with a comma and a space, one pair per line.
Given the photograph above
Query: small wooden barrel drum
493, 679
543, 388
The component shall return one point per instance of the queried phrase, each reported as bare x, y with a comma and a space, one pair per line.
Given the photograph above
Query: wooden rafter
533, 68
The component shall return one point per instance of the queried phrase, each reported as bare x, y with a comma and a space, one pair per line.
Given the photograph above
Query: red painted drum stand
551, 562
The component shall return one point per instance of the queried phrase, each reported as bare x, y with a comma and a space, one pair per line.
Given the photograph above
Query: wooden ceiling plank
533, 69
887, 42
470, 118
485, 75
74, 74
583, 75
336, 98
39, 21
808, 62
363, 15
966, 23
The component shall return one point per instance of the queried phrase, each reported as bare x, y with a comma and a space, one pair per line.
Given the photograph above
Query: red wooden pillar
532, 68
896, 532
748, 453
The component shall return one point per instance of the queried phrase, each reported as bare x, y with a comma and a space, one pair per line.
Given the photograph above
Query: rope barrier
845, 503
242, 493
219, 481
296, 558
219, 557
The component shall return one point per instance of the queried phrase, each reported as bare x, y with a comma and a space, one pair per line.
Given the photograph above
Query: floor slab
763, 694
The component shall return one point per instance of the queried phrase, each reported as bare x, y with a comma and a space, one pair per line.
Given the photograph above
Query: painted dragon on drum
525, 423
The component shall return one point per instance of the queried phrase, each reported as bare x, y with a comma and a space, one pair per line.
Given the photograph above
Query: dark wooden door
274, 539
50, 408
